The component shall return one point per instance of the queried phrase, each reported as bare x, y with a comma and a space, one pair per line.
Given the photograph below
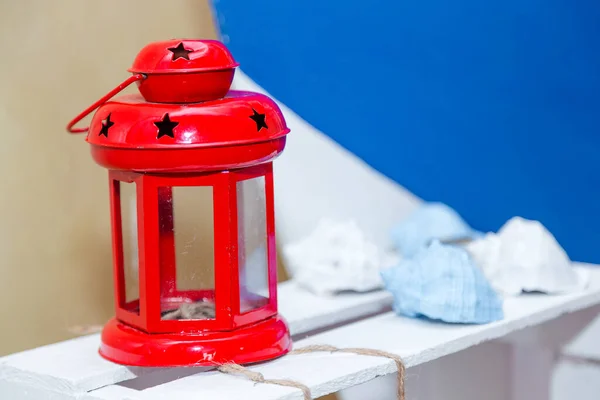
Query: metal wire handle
102, 100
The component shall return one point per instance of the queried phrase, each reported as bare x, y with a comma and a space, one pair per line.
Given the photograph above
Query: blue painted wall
492, 107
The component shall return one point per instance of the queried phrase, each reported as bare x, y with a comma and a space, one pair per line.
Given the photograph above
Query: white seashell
525, 256
335, 257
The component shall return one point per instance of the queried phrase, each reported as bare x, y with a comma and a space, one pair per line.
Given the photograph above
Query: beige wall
56, 58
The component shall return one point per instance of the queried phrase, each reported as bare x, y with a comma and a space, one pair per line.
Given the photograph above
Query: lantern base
261, 341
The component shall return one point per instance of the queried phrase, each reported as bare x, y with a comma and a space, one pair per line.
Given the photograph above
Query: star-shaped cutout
165, 127
180, 52
259, 119
106, 124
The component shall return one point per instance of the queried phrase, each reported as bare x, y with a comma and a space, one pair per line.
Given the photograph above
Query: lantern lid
183, 56
185, 118
239, 118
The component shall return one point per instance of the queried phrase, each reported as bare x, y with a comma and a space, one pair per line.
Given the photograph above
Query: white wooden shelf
74, 370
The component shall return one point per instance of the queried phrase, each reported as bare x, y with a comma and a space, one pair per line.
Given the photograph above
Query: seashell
429, 222
336, 256
525, 257
442, 282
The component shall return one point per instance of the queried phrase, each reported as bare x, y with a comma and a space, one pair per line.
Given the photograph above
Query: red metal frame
270, 308
223, 256
157, 254
123, 310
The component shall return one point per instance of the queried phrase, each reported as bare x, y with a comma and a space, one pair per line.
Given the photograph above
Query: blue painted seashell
428, 222
441, 282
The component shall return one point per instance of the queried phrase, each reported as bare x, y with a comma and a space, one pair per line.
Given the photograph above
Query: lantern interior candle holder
187, 142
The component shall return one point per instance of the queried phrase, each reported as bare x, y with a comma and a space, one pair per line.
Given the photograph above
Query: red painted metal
99, 102
184, 71
203, 56
187, 129
264, 340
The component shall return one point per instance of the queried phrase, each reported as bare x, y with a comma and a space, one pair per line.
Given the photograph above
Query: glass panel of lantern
187, 258
252, 244
129, 250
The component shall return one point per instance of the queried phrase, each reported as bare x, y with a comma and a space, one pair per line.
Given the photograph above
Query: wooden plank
531, 372
480, 372
573, 334
536, 351
27, 390
585, 343
417, 341
74, 366
575, 381
306, 312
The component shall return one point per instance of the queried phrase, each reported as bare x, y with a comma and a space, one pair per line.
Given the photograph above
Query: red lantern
185, 142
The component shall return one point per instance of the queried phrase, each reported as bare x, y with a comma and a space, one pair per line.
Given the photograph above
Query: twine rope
259, 378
